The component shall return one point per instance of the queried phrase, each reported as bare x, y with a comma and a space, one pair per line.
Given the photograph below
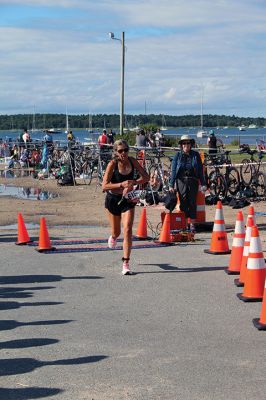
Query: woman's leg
127, 220
182, 192
115, 222
192, 193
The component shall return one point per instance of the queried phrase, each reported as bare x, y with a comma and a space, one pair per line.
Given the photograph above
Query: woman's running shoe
126, 270
111, 242
192, 228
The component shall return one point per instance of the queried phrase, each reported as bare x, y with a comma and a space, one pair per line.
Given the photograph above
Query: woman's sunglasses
120, 151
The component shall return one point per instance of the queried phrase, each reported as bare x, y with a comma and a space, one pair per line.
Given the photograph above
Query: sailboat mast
67, 125
201, 110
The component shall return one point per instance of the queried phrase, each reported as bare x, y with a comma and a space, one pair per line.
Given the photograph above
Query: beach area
82, 205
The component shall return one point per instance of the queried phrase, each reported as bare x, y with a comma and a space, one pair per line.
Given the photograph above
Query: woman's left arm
144, 176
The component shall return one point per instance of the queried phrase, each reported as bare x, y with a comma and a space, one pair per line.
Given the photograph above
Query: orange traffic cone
251, 213
219, 242
237, 246
201, 213
23, 237
260, 323
142, 226
241, 280
165, 236
44, 240
255, 275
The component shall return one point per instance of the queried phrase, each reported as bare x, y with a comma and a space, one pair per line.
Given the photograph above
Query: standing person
70, 139
158, 137
26, 137
110, 137
141, 139
212, 143
122, 173
187, 171
102, 140
70, 136
48, 138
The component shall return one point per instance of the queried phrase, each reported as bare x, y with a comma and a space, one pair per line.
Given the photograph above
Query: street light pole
122, 89
122, 85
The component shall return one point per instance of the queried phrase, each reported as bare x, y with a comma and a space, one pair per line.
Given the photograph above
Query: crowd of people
149, 138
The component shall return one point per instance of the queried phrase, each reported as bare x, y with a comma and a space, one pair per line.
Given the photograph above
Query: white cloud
173, 48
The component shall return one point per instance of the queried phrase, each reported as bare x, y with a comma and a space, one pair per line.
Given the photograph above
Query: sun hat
186, 138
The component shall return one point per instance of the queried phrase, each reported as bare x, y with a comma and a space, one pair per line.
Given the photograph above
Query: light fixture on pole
122, 90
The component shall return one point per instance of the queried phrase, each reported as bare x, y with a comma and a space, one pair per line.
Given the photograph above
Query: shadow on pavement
8, 238
171, 268
6, 280
17, 366
27, 393
25, 343
10, 305
13, 295
20, 293
21, 289
6, 325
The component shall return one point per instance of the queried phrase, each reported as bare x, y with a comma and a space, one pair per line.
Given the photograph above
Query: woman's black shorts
111, 203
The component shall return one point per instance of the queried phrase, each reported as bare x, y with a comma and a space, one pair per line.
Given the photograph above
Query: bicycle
158, 170
83, 168
227, 182
104, 156
216, 182
251, 174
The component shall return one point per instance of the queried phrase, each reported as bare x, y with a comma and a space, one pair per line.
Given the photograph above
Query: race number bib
133, 196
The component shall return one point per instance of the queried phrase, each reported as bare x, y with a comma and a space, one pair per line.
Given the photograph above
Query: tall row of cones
246, 258
23, 236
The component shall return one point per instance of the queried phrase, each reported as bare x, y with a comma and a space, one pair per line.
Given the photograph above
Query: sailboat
163, 127
89, 129
201, 133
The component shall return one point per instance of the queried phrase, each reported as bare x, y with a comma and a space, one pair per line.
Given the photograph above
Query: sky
56, 55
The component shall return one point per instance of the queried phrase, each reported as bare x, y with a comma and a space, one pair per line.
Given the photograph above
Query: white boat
202, 133
252, 126
242, 128
53, 130
88, 141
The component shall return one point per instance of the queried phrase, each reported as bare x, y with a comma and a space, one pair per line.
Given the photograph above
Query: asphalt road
72, 327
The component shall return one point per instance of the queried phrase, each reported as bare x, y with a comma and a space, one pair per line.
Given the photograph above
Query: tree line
84, 121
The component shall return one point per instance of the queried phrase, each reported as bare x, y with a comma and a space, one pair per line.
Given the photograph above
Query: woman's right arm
173, 173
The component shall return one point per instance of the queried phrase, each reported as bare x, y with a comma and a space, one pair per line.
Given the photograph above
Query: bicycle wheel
233, 181
260, 184
166, 177
86, 174
217, 185
246, 172
101, 170
156, 182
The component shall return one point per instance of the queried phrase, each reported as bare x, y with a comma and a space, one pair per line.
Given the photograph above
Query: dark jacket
196, 164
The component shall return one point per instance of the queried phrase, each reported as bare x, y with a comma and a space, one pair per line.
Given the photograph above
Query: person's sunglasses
186, 143
120, 151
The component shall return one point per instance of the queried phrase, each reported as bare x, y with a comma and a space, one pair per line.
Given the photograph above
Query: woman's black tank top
118, 178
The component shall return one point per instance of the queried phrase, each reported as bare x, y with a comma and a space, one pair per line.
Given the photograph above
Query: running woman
122, 174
